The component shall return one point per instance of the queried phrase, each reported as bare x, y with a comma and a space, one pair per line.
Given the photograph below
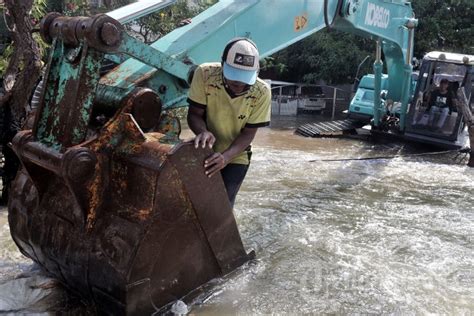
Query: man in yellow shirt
227, 104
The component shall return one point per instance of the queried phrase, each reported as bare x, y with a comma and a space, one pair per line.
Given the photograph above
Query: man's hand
214, 164
204, 139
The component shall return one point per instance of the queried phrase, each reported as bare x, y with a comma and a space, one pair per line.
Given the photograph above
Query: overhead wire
459, 151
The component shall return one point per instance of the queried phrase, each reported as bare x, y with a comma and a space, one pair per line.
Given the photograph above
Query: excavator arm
274, 25
391, 24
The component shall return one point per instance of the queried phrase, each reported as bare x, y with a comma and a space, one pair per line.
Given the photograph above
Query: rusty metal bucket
125, 218
130, 227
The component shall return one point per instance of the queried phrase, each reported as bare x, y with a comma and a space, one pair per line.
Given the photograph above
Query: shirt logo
441, 101
241, 117
244, 60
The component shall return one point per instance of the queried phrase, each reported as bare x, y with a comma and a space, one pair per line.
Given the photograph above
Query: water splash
354, 237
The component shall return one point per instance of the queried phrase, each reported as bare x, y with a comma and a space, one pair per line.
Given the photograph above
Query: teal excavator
109, 200
421, 123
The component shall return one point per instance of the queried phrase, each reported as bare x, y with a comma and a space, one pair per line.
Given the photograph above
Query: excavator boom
388, 22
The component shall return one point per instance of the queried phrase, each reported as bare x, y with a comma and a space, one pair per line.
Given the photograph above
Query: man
440, 101
227, 104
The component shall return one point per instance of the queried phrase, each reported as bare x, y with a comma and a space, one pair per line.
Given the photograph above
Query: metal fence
337, 98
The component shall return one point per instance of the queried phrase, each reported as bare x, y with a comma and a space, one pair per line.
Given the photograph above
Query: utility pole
468, 117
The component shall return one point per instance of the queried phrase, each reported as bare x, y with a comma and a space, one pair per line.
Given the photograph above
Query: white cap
242, 62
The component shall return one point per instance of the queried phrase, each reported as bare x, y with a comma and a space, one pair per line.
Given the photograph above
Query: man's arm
197, 122
218, 161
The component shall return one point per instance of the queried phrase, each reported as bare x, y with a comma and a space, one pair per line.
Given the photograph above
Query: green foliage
154, 26
270, 64
444, 25
329, 56
55, 6
76, 8
37, 12
334, 57
84, 7
4, 59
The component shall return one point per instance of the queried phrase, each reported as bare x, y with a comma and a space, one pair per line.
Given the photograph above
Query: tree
152, 27
444, 25
24, 56
333, 57
34, 15
19, 77
329, 56
270, 68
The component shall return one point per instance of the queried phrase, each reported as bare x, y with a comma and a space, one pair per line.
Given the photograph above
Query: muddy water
344, 237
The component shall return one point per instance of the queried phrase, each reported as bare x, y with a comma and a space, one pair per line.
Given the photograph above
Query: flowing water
383, 236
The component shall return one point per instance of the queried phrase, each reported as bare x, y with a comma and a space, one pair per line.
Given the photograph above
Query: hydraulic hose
326, 18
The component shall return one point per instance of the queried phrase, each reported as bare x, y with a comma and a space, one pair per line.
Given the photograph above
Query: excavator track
329, 128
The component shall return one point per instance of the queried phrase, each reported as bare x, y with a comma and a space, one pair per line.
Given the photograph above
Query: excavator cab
441, 125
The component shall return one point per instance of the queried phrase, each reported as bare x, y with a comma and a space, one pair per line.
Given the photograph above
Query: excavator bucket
121, 212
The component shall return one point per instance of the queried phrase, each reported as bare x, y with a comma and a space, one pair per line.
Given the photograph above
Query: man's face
236, 87
444, 85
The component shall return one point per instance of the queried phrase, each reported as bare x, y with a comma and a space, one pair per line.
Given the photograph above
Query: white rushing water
343, 237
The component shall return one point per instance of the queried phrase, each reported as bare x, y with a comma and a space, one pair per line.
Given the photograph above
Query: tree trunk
19, 82
463, 107
471, 141
24, 68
